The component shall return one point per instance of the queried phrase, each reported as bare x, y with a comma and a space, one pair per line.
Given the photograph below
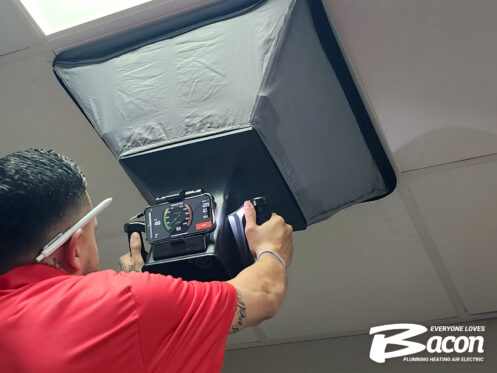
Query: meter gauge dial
178, 218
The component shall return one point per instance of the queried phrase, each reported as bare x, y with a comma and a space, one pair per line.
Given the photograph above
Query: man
62, 315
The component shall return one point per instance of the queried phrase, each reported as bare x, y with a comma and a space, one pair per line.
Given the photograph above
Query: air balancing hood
241, 99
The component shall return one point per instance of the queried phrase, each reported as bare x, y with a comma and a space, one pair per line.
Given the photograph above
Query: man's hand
261, 287
274, 235
132, 261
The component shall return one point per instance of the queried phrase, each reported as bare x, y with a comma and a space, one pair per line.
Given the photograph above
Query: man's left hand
132, 261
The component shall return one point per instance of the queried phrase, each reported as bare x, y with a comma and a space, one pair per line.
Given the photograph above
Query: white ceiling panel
364, 266
428, 71
16, 32
459, 208
35, 111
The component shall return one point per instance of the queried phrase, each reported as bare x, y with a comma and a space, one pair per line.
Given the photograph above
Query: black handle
262, 215
237, 223
262, 210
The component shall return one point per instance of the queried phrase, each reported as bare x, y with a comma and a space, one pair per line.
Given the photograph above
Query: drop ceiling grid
458, 205
459, 123
287, 329
365, 266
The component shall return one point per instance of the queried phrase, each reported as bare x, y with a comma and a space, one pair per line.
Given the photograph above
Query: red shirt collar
27, 274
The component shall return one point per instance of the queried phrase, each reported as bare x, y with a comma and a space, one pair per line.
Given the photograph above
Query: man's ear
72, 253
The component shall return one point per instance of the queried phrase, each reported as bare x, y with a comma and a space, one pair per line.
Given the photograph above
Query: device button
204, 225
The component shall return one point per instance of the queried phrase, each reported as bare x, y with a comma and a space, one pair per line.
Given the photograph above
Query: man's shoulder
135, 280
112, 278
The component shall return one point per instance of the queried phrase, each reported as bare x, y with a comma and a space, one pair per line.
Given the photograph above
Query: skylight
56, 15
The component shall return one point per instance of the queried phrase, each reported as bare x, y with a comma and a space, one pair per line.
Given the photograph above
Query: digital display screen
168, 220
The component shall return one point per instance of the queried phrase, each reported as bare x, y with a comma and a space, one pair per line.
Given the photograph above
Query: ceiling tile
364, 266
428, 71
459, 208
16, 31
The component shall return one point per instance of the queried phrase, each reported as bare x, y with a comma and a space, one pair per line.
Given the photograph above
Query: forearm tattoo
241, 312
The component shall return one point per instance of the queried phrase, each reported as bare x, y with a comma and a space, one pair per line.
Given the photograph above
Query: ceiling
426, 69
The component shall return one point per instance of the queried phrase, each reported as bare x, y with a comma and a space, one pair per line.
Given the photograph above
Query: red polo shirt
111, 322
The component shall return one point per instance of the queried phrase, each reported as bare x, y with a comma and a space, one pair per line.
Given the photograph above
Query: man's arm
262, 286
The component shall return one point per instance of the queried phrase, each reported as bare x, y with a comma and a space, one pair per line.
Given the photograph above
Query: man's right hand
132, 261
274, 235
261, 287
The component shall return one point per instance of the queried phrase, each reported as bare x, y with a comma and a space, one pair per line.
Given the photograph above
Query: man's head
43, 193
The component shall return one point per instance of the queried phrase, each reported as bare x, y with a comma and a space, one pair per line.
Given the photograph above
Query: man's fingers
135, 243
249, 215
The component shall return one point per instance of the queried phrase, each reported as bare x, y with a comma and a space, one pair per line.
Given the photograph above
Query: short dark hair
37, 189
